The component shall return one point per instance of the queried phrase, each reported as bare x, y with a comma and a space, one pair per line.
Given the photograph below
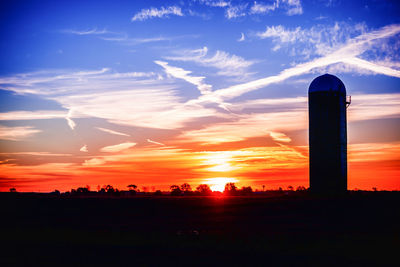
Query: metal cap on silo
327, 82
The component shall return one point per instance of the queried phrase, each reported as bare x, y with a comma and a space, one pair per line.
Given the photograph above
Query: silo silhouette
327, 103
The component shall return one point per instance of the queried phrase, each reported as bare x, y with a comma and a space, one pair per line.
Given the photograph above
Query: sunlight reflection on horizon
218, 183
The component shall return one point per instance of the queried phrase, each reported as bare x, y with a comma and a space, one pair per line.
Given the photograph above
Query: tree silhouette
186, 188
132, 187
175, 190
82, 190
246, 190
203, 189
109, 189
301, 188
230, 189
13, 190
290, 188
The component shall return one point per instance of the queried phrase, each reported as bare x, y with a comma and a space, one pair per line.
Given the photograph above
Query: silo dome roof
327, 82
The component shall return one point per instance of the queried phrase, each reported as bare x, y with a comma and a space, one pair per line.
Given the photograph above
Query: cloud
374, 106
117, 148
232, 12
228, 65
162, 12
33, 115
36, 153
97, 93
215, 3
346, 53
154, 142
242, 127
111, 131
258, 8
93, 31
53, 81
70, 122
120, 37
372, 152
293, 7
280, 137
84, 149
17, 133
317, 40
93, 162
184, 75
275, 117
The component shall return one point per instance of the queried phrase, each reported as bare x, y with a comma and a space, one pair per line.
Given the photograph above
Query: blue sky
118, 79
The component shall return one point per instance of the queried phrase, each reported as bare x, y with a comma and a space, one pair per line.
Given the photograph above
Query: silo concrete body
327, 135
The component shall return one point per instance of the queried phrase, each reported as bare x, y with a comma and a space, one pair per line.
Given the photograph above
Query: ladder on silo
348, 100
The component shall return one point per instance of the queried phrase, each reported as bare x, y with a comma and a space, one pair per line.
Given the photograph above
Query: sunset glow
218, 184
204, 93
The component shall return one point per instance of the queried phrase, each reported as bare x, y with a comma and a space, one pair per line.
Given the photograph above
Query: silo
327, 103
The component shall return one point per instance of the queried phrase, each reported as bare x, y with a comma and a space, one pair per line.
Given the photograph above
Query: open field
358, 229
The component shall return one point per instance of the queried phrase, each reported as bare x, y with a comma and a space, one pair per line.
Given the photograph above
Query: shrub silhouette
175, 190
246, 190
132, 189
158, 193
203, 189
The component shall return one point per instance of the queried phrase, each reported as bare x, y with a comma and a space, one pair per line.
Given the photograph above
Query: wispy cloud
162, 12
347, 53
37, 153
247, 126
97, 93
374, 106
215, 3
84, 149
93, 162
111, 131
232, 11
227, 64
275, 117
70, 122
317, 40
185, 75
280, 137
154, 142
237, 11
93, 31
293, 7
117, 148
33, 115
261, 8
119, 37
17, 133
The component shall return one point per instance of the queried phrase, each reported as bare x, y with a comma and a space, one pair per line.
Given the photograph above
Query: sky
156, 93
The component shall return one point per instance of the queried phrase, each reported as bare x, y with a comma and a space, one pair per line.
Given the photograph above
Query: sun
218, 183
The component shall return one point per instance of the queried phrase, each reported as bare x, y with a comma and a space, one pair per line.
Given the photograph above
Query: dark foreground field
359, 229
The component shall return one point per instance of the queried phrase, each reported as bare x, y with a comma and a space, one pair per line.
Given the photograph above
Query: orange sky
370, 165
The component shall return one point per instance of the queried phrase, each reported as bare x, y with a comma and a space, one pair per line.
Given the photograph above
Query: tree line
184, 189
